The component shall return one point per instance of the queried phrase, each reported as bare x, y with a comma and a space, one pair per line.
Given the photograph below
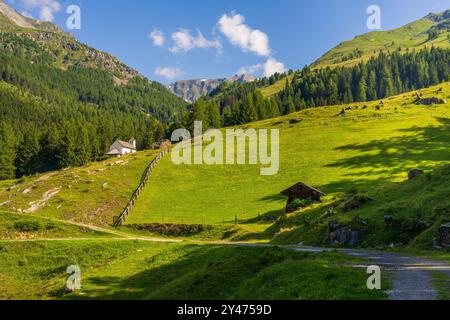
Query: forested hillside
430, 31
382, 76
63, 103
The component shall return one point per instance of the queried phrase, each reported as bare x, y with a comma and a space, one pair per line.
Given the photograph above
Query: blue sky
214, 39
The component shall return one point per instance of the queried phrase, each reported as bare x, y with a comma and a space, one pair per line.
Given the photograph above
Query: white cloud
270, 67
241, 35
250, 70
46, 8
169, 73
158, 38
184, 41
273, 66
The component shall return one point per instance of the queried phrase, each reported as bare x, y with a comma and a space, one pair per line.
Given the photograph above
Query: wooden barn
302, 191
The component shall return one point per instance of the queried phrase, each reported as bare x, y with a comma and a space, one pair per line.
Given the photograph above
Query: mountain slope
414, 35
63, 103
191, 90
45, 43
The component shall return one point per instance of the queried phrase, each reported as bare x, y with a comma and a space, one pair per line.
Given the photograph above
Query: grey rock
415, 173
430, 101
388, 220
444, 235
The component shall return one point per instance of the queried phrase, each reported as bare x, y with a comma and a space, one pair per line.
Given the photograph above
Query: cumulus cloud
158, 38
169, 73
241, 35
47, 8
184, 41
269, 68
273, 66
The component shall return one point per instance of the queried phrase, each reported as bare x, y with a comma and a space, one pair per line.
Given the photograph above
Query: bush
355, 202
297, 204
27, 226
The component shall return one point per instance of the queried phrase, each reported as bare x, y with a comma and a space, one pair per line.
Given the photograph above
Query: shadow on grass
189, 272
418, 146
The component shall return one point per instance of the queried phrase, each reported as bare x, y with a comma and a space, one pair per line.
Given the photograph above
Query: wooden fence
120, 220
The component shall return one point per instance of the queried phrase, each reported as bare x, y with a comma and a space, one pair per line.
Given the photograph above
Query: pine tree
361, 91
8, 145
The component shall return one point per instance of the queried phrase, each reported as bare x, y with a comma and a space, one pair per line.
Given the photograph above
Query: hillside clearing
363, 149
92, 194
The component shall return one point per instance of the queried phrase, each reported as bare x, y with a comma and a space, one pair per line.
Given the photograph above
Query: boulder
295, 121
422, 225
330, 213
444, 235
415, 173
342, 235
345, 236
334, 226
388, 220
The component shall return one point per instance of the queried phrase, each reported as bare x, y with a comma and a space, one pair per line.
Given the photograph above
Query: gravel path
412, 277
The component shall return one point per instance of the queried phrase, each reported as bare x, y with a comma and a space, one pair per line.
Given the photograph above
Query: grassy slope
363, 149
272, 90
92, 194
136, 270
412, 35
14, 226
425, 198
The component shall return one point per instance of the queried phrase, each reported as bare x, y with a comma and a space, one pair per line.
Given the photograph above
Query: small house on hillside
120, 148
302, 191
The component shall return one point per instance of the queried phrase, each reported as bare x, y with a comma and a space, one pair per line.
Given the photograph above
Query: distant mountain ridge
191, 90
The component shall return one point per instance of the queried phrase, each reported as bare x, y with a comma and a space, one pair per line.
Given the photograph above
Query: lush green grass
217, 272
37, 270
92, 194
14, 226
138, 270
273, 89
442, 285
365, 149
411, 36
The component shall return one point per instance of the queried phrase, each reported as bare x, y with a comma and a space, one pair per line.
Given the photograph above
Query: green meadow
139, 270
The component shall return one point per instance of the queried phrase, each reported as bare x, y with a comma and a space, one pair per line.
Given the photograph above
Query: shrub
297, 204
27, 226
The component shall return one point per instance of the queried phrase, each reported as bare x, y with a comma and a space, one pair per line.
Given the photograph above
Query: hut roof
304, 186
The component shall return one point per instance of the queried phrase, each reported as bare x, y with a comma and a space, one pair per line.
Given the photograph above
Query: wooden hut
302, 191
